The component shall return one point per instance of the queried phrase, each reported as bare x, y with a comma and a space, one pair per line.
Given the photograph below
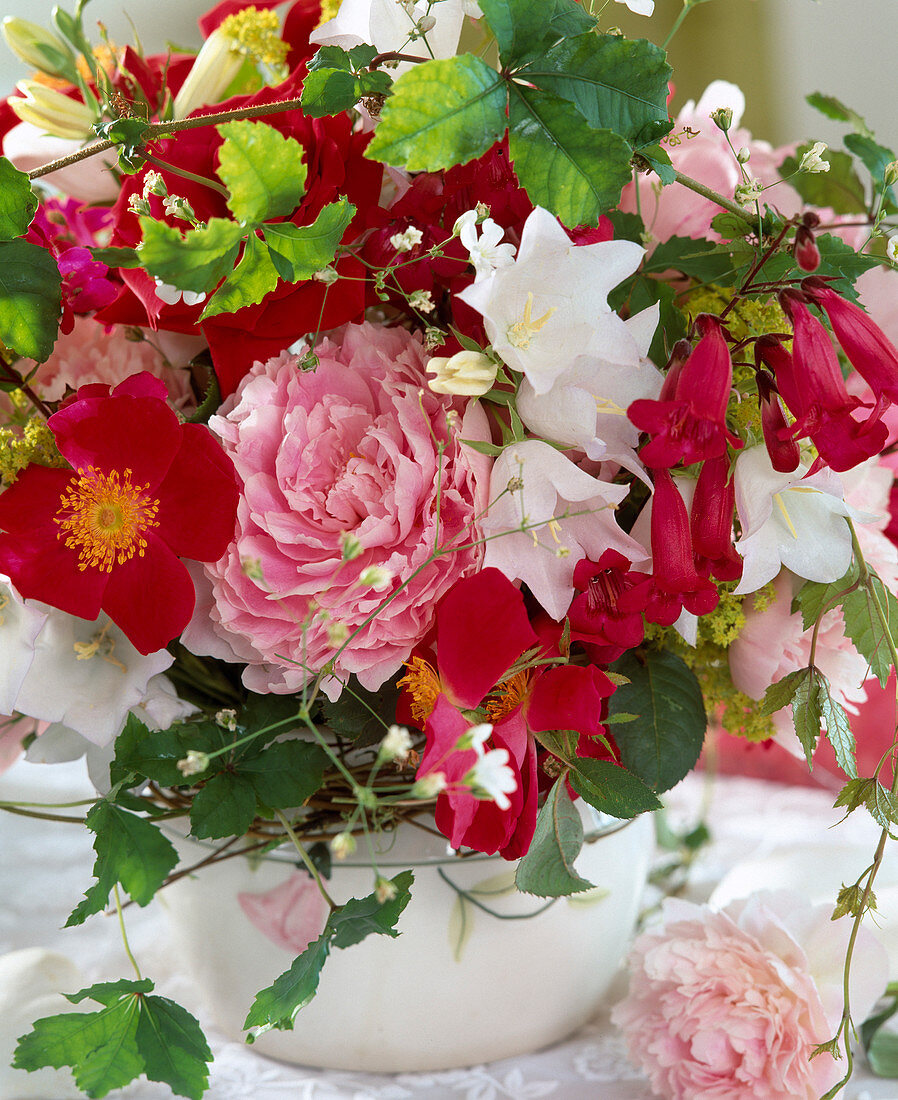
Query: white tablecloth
758, 830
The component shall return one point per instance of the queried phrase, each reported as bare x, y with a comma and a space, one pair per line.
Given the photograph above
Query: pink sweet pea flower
107, 533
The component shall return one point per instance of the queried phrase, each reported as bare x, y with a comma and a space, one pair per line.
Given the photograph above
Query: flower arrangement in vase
394, 431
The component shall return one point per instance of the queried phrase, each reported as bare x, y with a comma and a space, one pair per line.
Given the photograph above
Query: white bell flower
639, 7
551, 305
790, 520
569, 515
20, 624
389, 24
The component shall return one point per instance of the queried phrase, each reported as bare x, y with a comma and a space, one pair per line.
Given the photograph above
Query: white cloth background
759, 829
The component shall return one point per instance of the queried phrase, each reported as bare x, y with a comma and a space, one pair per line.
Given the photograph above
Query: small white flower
485, 251
227, 718
492, 778
194, 763
171, 295
429, 786
396, 745
467, 373
153, 184
639, 7
384, 890
343, 845
326, 275
407, 240
750, 191
377, 577
138, 205
475, 738
892, 249
422, 300
812, 161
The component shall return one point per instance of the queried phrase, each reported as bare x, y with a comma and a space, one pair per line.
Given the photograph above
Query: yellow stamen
779, 500
257, 34
554, 527
4, 602
423, 684
99, 643
509, 694
104, 518
520, 333
606, 405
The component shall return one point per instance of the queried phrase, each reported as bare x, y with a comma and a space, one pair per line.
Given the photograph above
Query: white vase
470, 979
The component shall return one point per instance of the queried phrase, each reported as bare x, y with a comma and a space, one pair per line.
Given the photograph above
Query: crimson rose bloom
143, 490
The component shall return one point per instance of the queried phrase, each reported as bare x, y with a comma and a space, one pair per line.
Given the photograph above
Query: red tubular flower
784, 452
811, 384
711, 520
690, 424
143, 491
869, 350
595, 614
470, 673
674, 584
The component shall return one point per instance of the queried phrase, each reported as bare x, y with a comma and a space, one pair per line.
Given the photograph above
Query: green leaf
665, 741
547, 870
611, 789
277, 1005
335, 57
660, 163
286, 773
566, 166
781, 693
225, 806
196, 260
835, 109
814, 596
18, 202
839, 188
875, 157
101, 1047
855, 793
173, 1047
839, 260
108, 993
248, 284
360, 917
441, 113
806, 713
863, 626
328, 92
524, 27
618, 84
263, 170
298, 251
881, 1047
362, 715
155, 754
702, 260
117, 257
130, 850
30, 299
838, 728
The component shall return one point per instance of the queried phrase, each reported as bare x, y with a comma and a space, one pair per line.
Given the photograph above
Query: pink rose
349, 450
728, 1005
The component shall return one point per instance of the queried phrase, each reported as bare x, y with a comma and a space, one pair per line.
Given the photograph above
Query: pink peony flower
347, 451
729, 1005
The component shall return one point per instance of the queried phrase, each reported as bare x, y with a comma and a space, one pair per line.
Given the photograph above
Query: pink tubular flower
349, 451
732, 1004
869, 350
470, 673
675, 583
690, 423
106, 534
711, 520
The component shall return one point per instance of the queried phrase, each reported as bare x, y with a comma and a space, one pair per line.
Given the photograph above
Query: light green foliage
30, 299
195, 260
262, 169
18, 202
338, 79
298, 251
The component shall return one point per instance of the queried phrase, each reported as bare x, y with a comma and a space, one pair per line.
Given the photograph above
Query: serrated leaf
863, 626
30, 299
196, 260
173, 1047
702, 260
117, 257
155, 754
441, 113
108, 993
100, 1047
547, 870
665, 741
806, 714
612, 789
225, 806
616, 83
130, 850
838, 728
782, 693
814, 596
524, 27
855, 793
882, 806
659, 161
18, 202
840, 188
572, 170
286, 774
278, 1004
875, 158
298, 251
334, 57
360, 917
328, 92
254, 277
839, 261
835, 109
262, 168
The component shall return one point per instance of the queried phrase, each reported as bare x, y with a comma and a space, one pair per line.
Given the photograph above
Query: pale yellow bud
39, 48
216, 65
467, 373
52, 112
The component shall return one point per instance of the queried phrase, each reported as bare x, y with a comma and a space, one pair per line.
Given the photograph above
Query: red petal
482, 629
140, 434
198, 498
30, 503
143, 384
150, 598
569, 698
43, 568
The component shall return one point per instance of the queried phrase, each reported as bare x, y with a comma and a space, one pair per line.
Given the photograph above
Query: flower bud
892, 249
39, 48
890, 173
384, 890
467, 373
805, 250
216, 65
812, 161
52, 112
193, 763
343, 845
377, 577
750, 191
430, 785
350, 546
722, 118
396, 745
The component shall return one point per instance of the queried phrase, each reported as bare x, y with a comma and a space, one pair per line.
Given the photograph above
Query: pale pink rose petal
291, 915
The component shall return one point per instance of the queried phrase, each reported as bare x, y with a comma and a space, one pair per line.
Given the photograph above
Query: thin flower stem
715, 196
121, 924
12, 375
303, 855
204, 181
10, 808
